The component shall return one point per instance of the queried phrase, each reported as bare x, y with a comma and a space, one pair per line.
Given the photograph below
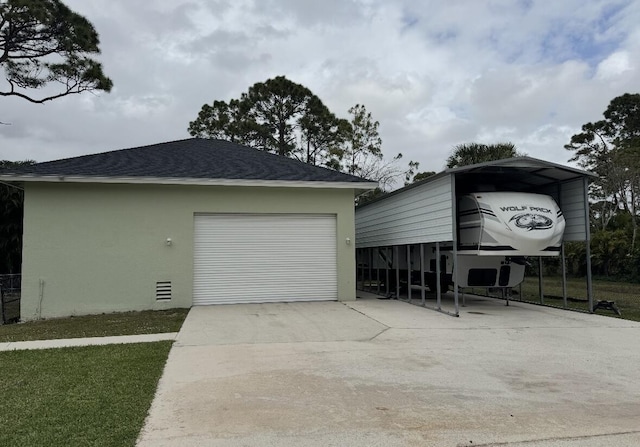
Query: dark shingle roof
193, 158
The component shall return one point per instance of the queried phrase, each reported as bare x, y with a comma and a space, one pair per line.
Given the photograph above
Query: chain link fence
10, 290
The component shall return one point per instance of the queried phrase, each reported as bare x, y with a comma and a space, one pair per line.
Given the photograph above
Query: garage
182, 223
258, 258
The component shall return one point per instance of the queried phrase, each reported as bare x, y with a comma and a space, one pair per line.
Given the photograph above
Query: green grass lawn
87, 396
123, 323
625, 295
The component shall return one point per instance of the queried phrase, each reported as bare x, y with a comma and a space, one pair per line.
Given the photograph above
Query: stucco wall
92, 248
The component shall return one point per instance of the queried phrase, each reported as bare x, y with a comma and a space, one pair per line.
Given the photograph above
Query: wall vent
163, 290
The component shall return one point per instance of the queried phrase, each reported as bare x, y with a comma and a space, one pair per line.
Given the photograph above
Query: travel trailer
496, 232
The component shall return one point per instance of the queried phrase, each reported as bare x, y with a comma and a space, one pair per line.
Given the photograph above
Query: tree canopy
611, 148
364, 139
43, 42
286, 118
414, 177
272, 116
323, 135
619, 130
472, 153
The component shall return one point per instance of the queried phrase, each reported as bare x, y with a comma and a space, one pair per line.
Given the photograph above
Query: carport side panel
572, 204
417, 215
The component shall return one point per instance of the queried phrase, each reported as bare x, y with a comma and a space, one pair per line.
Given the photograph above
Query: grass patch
89, 396
122, 323
625, 295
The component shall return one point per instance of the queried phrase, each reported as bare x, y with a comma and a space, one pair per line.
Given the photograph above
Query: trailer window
482, 277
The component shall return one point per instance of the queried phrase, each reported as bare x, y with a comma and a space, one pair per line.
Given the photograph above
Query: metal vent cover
163, 290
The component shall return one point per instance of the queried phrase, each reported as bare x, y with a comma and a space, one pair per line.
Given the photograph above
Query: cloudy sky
433, 73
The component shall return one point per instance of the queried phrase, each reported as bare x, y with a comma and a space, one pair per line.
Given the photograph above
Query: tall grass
625, 295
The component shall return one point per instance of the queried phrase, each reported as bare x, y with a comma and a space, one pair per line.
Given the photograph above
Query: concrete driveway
387, 373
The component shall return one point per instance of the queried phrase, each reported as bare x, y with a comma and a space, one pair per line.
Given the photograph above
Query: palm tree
472, 153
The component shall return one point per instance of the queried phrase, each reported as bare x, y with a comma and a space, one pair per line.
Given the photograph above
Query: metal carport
425, 212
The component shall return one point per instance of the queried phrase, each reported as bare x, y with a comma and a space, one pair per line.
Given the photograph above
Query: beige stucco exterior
92, 248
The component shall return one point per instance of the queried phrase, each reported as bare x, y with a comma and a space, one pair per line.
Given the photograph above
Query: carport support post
370, 269
587, 232
454, 241
455, 281
589, 283
540, 289
360, 270
438, 287
564, 276
562, 254
396, 259
387, 291
422, 273
377, 270
409, 272
363, 262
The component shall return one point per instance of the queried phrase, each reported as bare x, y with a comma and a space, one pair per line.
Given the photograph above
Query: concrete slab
275, 323
518, 375
479, 312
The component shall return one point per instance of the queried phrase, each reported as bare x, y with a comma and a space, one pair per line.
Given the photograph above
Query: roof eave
358, 186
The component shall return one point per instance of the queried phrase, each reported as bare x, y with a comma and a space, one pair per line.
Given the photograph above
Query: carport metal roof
516, 174
509, 174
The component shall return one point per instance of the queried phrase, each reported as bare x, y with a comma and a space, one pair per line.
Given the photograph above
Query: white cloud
141, 106
614, 65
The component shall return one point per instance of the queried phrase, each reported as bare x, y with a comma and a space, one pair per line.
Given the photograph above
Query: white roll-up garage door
258, 258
